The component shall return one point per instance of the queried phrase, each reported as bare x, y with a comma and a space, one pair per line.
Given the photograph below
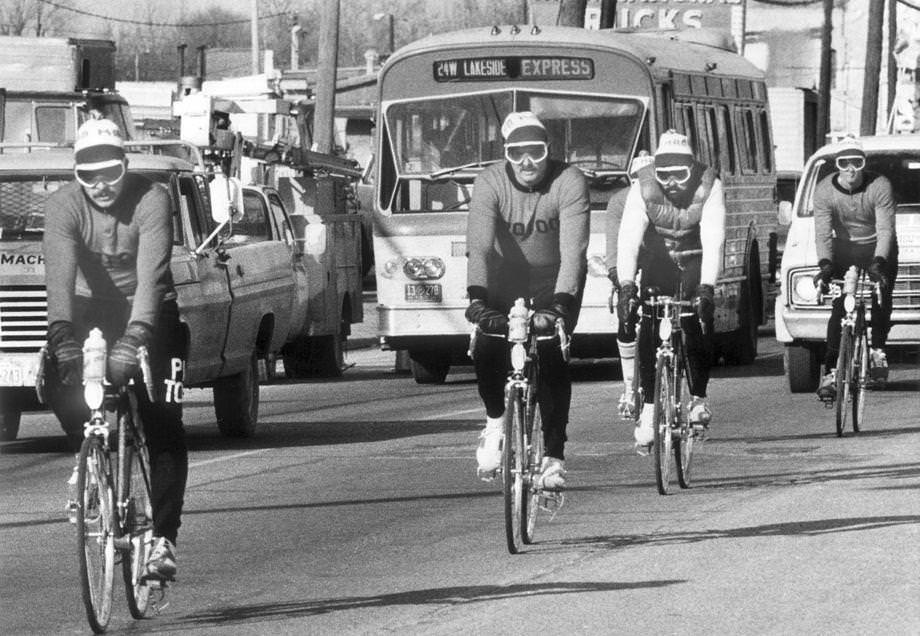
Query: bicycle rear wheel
96, 532
138, 526
844, 378
512, 469
534, 444
663, 415
860, 378
683, 442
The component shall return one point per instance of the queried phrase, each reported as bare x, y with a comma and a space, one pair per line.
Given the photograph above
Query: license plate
19, 371
423, 293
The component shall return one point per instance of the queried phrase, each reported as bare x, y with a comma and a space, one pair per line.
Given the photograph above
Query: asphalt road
355, 510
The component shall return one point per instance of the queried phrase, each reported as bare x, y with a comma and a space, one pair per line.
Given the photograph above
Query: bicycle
112, 509
673, 432
852, 371
522, 445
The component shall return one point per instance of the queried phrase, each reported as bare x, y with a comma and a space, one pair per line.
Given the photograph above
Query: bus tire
402, 365
803, 368
429, 367
236, 401
741, 346
10, 417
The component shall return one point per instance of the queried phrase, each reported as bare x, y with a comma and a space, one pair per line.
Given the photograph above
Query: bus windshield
443, 136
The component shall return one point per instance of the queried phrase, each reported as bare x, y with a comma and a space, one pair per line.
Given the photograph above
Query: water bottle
517, 321
849, 281
94, 357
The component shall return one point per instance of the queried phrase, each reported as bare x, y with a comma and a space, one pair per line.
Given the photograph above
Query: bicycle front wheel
512, 469
683, 442
138, 528
96, 532
860, 378
663, 415
534, 445
844, 378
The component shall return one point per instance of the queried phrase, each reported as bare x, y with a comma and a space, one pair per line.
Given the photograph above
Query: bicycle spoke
662, 424
95, 533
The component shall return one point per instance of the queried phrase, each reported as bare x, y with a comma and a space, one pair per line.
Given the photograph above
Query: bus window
688, 126
748, 147
727, 132
766, 143
711, 126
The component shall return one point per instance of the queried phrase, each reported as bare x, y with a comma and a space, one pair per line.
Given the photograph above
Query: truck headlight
803, 289
426, 268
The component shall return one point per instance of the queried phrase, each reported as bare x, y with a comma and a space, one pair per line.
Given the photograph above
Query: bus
604, 96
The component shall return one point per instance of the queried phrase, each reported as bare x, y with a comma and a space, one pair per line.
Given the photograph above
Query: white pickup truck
801, 319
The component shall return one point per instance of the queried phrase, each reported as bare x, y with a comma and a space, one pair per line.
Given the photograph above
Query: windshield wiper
466, 166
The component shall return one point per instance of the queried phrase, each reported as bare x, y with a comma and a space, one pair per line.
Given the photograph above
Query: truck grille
906, 294
23, 318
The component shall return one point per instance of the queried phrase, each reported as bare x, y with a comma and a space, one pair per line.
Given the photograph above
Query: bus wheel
742, 344
429, 367
9, 423
803, 368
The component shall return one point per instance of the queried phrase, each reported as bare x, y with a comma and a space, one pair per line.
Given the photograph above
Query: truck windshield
433, 136
901, 167
22, 203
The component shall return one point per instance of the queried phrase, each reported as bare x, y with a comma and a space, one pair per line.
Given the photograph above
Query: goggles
537, 152
677, 174
108, 176
854, 162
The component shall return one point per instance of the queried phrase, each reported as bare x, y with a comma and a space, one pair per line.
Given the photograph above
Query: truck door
201, 281
261, 281
300, 298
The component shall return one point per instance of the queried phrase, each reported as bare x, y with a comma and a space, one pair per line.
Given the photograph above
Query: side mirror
784, 213
226, 195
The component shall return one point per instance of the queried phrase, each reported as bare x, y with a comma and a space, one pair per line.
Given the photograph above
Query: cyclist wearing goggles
107, 248
527, 237
854, 225
675, 205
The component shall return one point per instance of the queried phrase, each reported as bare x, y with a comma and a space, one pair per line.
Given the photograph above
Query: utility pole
326, 70
892, 61
869, 115
824, 82
254, 35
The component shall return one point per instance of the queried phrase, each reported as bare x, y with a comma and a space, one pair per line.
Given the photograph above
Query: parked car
800, 316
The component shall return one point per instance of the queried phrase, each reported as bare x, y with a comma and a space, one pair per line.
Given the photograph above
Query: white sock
494, 422
627, 362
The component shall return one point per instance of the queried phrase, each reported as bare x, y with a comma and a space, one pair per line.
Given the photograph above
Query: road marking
223, 458
454, 414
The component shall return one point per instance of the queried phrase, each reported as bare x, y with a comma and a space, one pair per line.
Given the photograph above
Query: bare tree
31, 17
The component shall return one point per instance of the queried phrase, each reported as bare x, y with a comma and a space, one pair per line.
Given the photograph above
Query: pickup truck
800, 314
236, 286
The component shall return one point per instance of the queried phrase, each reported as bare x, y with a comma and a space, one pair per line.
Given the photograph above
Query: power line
154, 23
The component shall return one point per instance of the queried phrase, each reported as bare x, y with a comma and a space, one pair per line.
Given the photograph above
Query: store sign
679, 14
513, 68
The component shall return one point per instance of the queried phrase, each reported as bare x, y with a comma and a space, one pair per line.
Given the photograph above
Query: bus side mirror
784, 213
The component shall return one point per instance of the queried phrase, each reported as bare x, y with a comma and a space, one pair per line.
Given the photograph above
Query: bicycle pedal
158, 596
552, 502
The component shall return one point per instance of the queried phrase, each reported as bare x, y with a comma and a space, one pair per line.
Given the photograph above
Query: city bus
603, 96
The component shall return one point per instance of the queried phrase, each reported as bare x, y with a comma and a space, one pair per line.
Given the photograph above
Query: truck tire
741, 345
402, 365
429, 367
316, 357
236, 401
10, 417
803, 368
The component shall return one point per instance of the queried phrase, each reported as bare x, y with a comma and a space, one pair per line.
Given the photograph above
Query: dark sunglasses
102, 176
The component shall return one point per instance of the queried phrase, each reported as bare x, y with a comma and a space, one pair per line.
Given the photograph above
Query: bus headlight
390, 268
803, 289
425, 268
597, 266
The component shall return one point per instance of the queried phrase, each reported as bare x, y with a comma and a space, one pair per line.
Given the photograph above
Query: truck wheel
741, 345
236, 401
327, 355
429, 367
9, 423
402, 364
803, 368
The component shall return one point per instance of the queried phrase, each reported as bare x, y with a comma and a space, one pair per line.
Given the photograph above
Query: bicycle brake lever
143, 358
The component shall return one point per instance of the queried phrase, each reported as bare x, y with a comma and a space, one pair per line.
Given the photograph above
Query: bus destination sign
485, 69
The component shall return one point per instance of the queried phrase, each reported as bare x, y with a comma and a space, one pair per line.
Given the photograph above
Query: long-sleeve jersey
863, 216
636, 221
118, 254
529, 242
